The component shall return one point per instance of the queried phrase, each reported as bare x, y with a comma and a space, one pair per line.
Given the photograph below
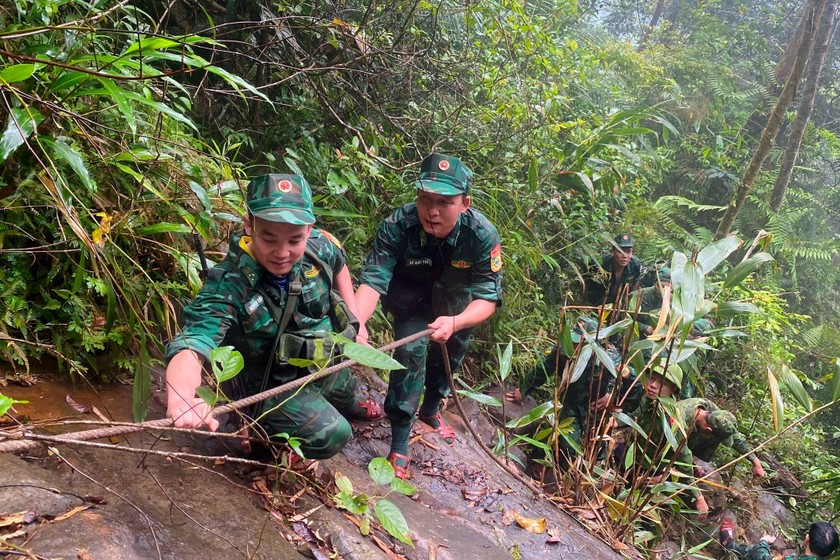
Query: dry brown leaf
80, 408
584, 512
71, 513
507, 518
534, 525
18, 533
83, 554
12, 519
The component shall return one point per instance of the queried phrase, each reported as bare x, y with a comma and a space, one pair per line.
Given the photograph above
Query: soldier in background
618, 269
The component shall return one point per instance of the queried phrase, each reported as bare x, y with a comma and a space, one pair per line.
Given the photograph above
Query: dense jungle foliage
130, 129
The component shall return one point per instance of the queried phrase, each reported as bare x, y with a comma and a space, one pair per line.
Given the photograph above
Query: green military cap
446, 175
674, 373
723, 423
664, 274
281, 198
625, 241
702, 327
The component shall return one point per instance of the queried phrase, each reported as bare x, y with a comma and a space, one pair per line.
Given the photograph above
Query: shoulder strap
295, 288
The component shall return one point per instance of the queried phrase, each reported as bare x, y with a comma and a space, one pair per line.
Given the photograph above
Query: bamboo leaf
392, 520
481, 398
121, 101
745, 268
68, 154
794, 384
504, 360
713, 254
627, 420
163, 227
582, 362
533, 174
370, 357
691, 292
778, 405
22, 123
17, 73
605, 360
678, 262
533, 415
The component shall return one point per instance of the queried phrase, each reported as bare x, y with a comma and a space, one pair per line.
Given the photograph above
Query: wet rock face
95, 503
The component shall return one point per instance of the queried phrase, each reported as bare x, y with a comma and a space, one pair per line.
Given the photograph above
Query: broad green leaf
402, 487
481, 398
344, 484
678, 262
605, 359
301, 362
536, 413
627, 420
778, 405
121, 101
227, 362
794, 384
202, 195
692, 292
381, 471
148, 44
206, 394
162, 108
370, 357
392, 521
163, 227
713, 254
6, 403
566, 339
745, 268
582, 362
17, 73
835, 381
68, 79
356, 505
732, 308
22, 123
59, 149
504, 360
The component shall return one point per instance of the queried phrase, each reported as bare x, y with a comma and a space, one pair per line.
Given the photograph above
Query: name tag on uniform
418, 262
254, 304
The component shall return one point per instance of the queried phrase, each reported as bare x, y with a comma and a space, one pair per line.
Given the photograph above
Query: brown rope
21, 442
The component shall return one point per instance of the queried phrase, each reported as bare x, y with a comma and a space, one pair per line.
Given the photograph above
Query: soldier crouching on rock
275, 296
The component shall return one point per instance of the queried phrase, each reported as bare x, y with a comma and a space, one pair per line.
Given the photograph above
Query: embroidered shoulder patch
461, 264
496, 258
332, 238
312, 272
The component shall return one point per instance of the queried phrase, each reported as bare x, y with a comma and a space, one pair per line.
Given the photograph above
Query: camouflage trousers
313, 413
424, 367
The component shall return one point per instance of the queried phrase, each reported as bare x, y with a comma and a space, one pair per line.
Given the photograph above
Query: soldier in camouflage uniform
593, 392
437, 264
618, 269
280, 258
708, 427
820, 542
654, 453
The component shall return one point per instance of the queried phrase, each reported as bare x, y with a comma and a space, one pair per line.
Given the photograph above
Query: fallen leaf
552, 540
83, 554
507, 518
71, 513
534, 525
12, 519
18, 533
80, 408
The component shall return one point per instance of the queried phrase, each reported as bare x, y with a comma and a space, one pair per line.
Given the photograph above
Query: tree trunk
825, 32
768, 136
783, 68
654, 20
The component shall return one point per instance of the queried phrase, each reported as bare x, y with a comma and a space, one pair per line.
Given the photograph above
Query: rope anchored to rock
22, 441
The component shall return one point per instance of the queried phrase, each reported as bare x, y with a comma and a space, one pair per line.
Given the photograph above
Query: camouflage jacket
402, 262
653, 419
229, 310
761, 551
649, 302
703, 444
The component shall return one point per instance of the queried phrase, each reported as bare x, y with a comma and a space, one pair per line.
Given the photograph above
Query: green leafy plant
368, 507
